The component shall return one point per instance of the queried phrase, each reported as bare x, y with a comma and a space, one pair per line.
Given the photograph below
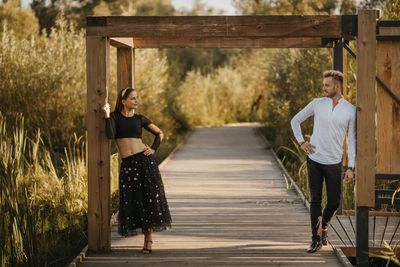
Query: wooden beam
125, 68
121, 42
212, 26
229, 42
366, 96
366, 127
389, 31
99, 234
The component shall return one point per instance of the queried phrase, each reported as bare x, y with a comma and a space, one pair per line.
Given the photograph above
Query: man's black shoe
324, 237
314, 247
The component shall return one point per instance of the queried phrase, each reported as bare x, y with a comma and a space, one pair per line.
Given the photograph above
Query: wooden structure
128, 33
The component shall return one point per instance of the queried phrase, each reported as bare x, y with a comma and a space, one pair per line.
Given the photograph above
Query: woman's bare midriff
129, 146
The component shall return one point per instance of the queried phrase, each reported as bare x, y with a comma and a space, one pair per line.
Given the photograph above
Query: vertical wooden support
366, 127
125, 68
388, 113
97, 61
338, 63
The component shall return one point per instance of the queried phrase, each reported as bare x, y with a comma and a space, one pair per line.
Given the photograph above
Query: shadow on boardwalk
230, 207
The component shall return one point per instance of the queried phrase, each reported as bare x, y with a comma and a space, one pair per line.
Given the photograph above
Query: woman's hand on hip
149, 151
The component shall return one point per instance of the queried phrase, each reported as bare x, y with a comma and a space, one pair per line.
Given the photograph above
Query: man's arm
301, 116
351, 134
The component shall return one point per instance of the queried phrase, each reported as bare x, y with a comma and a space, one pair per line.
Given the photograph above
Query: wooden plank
384, 109
389, 31
212, 26
125, 68
121, 42
97, 56
395, 86
228, 42
366, 96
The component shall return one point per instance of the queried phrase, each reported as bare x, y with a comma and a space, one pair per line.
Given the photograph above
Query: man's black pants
316, 174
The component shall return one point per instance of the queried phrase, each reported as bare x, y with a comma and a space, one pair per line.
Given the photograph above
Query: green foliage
39, 207
292, 7
45, 78
10, 17
390, 8
235, 92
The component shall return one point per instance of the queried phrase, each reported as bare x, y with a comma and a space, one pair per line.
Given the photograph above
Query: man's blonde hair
336, 76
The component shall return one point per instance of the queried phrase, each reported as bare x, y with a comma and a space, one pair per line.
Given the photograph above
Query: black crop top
119, 126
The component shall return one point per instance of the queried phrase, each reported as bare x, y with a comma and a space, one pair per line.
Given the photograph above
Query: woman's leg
148, 241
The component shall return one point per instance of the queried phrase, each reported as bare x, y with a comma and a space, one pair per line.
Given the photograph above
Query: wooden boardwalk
230, 207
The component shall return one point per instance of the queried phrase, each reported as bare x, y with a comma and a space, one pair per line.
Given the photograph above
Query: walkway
230, 207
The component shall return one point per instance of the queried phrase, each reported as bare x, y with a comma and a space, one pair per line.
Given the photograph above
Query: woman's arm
158, 134
110, 122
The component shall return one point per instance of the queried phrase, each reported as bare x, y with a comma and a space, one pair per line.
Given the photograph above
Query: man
334, 118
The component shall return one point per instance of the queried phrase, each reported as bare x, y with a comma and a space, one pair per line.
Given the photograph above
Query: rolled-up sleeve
301, 116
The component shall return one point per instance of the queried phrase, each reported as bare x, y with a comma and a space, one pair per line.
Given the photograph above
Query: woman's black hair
123, 94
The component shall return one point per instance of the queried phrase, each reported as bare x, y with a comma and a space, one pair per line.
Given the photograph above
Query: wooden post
125, 68
338, 63
97, 61
366, 127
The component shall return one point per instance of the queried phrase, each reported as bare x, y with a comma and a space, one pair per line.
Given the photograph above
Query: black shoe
324, 237
314, 247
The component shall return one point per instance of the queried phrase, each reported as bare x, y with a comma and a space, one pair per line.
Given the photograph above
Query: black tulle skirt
142, 202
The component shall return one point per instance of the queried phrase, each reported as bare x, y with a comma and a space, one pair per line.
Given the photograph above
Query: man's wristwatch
302, 142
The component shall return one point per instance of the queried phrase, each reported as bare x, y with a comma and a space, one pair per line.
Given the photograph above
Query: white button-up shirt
330, 128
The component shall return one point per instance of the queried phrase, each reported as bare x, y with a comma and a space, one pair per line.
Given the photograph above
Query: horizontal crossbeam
215, 26
230, 42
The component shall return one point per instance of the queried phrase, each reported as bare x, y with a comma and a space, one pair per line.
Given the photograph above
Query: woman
142, 200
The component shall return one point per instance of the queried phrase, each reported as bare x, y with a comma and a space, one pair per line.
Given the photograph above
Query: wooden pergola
128, 33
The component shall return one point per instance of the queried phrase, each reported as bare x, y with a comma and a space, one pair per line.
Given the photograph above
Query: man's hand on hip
307, 147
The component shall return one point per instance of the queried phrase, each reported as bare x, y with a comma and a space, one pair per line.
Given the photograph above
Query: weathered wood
388, 138
125, 68
121, 42
228, 42
97, 55
389, 31
366, 96
212, 26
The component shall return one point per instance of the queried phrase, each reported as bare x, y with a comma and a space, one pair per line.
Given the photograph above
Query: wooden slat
121, 42
97, 54
373, 213
388, 131
125, 68
212, 26
226, 42
389, 31
395, 86
366, 71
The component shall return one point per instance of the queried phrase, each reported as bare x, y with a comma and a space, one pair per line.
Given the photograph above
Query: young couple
143, 204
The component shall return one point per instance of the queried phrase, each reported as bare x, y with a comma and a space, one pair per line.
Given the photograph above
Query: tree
21, 21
